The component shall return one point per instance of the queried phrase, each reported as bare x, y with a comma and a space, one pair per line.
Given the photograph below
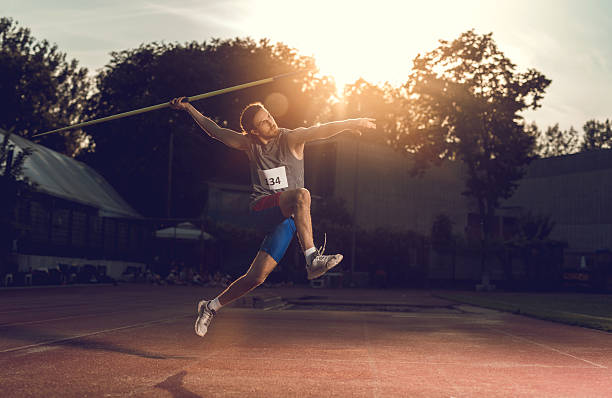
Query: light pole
170, 155
354, 224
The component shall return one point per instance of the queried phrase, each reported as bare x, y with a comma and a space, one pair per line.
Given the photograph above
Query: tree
133, 153
540, 254
465, 99
364, 99
553, 141
12, 184
40, 89
597, 135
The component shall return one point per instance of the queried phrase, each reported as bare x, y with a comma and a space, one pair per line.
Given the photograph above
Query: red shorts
267, 202
266, 212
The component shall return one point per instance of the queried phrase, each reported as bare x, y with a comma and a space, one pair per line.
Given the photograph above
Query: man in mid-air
280, 203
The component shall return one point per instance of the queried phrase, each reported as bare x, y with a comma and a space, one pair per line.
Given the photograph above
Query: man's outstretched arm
229, 137
303, 135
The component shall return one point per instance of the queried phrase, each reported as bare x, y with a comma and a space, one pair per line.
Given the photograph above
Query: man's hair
247, 116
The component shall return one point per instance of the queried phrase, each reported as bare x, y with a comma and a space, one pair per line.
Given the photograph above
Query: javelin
167, 104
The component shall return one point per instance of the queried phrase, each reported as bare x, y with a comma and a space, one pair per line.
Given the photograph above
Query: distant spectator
197, 279
159, 280
171, 279
183, 273
149, 277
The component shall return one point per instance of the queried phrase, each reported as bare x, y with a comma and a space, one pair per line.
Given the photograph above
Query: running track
138, 341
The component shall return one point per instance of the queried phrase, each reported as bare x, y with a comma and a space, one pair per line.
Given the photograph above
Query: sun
374, 40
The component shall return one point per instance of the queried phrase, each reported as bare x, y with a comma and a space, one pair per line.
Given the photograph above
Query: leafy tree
597, 135
533, 245
12, 185
465, 99
533, 227
132, 153
364, 99
40, 89
554, 141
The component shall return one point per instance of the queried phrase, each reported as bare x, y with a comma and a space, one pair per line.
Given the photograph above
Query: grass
587, 310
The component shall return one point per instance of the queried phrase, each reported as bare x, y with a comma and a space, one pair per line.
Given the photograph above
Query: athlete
279, 202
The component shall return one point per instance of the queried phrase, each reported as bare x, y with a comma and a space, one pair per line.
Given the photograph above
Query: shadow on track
174, 385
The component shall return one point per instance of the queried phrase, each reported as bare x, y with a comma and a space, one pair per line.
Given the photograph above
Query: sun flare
376, 41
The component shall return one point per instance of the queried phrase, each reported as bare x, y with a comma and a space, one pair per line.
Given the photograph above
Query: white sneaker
321, 264
205, 315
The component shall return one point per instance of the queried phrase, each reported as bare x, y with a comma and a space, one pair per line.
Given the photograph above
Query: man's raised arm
229, 137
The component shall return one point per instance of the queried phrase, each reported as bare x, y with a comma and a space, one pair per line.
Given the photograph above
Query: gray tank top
273, 167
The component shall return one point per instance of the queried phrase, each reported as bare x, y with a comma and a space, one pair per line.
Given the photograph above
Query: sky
568, 41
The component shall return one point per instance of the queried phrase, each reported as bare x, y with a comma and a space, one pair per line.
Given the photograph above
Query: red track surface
138, 341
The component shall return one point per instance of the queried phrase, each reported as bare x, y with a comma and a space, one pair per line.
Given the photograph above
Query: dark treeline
133, 152
553, 141
461, 101
39, 88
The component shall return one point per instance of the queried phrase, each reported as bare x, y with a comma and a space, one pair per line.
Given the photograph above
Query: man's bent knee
302, 197
291, 200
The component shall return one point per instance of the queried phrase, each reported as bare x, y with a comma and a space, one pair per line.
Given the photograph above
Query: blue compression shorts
268, 216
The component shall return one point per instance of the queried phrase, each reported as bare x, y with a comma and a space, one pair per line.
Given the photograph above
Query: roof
185, 230
64, 177
581, 162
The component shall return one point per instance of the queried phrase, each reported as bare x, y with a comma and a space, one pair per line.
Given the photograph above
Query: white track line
88, 315
135, 325
5, 325
550, 348
387, 361
430, 315
96, 312
69, 305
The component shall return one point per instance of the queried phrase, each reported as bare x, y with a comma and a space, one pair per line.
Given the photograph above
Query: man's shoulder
283, 130
292, 135
283, 133
291, 131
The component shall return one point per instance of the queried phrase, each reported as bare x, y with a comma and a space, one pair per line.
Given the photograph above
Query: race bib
274, 178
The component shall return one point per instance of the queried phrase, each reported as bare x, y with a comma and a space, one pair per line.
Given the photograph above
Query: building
376, 186
74, 217
576, 192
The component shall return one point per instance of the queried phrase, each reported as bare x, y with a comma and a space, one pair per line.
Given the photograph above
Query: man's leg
259, 270
296, 203
261, 266
272, 251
